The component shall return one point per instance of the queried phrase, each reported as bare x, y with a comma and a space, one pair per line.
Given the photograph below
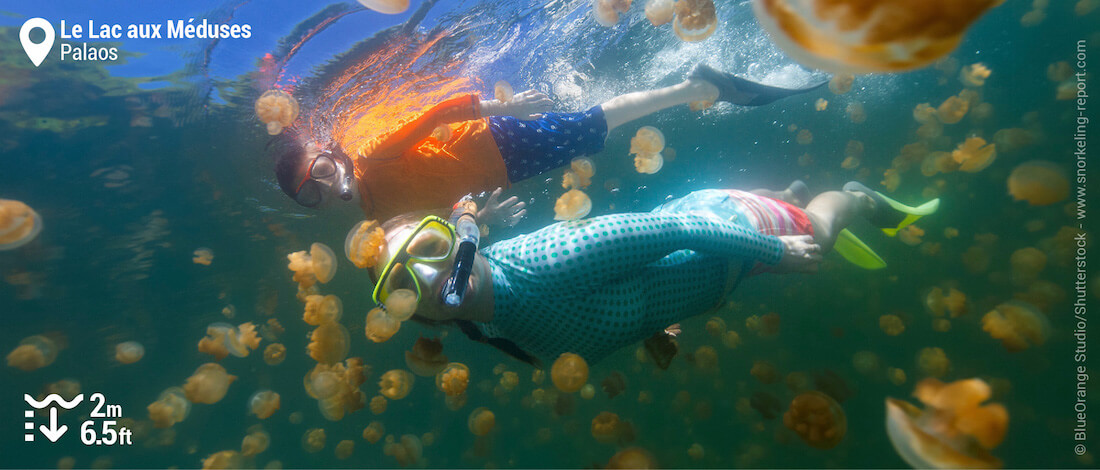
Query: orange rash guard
407, 170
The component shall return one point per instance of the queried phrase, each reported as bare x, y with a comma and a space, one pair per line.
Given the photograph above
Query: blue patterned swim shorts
530, 148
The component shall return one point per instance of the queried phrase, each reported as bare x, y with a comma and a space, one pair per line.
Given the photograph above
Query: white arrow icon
36, 52
53, 433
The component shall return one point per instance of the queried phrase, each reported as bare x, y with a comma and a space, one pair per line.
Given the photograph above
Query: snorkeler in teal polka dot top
594, 286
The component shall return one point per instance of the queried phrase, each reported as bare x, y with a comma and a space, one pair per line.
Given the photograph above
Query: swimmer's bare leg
625, 108
832, 211
797, 194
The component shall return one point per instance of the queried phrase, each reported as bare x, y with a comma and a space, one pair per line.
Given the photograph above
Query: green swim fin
856, 252
913, 213
890, 221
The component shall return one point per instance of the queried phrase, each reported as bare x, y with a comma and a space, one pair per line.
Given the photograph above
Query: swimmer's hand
506, 213
800, 255
528, 105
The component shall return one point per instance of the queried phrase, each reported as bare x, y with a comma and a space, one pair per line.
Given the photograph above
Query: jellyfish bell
859, 37
572, 205
1039, 182
695, 20
170, 408
129, 352
606, 12
33, 352
974, 155
396, 384
453, 379
19, 224
426, 358
481, 421
208, 384
659, 12
974, 75
633, 458
401, 304
841, 83
502, 91
203, 256
381, 326
264, 403
324, 262
364, 244
647, 140
321, 309
277, 110
954, 430
255, 442
648, 163
817, 419
1019, 325
388, 7
329, 343
569, 372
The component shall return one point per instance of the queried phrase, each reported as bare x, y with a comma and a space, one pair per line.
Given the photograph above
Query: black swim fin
740, 91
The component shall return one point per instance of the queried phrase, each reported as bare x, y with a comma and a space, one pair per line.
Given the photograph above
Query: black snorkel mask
327, 172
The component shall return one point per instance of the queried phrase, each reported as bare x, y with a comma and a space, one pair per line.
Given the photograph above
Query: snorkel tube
344, 177
463, 218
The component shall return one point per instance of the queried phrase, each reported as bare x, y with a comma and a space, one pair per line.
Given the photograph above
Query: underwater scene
547, 234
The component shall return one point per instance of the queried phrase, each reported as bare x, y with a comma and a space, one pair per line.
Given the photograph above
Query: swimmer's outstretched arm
607, 247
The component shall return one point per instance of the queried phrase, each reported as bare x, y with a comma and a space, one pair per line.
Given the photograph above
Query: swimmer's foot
743, 92
888, 214
662, 347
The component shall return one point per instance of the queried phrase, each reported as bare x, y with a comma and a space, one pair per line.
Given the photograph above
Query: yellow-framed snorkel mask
422, 255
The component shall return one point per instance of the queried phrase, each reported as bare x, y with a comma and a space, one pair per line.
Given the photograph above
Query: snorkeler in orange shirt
492, 145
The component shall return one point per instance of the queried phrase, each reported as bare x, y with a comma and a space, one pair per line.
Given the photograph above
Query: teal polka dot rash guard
593, 286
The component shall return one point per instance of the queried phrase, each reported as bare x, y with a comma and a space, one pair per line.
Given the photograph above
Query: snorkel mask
421, 259
327, 172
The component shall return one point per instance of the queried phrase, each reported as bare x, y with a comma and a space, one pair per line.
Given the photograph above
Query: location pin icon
36, 52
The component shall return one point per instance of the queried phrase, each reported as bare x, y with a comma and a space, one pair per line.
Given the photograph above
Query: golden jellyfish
588, 392
804, 137
453, 379
856, 112
981, 112
388, 7
170, 408
274, 354
858, 37
952, 110
313, 440
891, 324
974, 75
19, 224
223, 339
502, 91
1027, 263
277, 109
329, 343
696, 451
715, 326
129, 352
974, 155
632, 458
374, 432
226, 459
695, 20
33, 352
396, 384
255, 442
706, 358
510, 380
607, 12
264, 403
933, 362
1039, 182
319, 265
378, 404
841, 83
891, 179
1019, 325
364, 244
572, 205
924, 113
208, 384
481, 421
895, 375
569, 372
821, 104
583, 169
605, 427
911, 235
1066, 90
955, 430
647, 140
321, 309
203, 256
1042, 294
764, 371
954, 302
344, 449
426, 358
865, 362
380, 325
659, 12
817, 418
648, 163
1059, 71
401, 304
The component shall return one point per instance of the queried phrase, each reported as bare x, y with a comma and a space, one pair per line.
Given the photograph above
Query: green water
125, 205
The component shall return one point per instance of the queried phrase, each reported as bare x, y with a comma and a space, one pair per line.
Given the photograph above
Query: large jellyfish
569, 372
606, 427
974, 155
208, 384
321, 309
329, 343
380, 325
223, 339
170, 408
33, 352
817, 419
572, 205
374, 431
129, 352
313, 440
426, 358
255, 442
953, 431
319, 265
364, 243
19, 224
648, 163
1019, 325
647, 140
481, 421
1039, 182
274, 354
401, 304
659, 12
396, 384
264, 403
453, 379
857, 36
277, 109
695, 20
